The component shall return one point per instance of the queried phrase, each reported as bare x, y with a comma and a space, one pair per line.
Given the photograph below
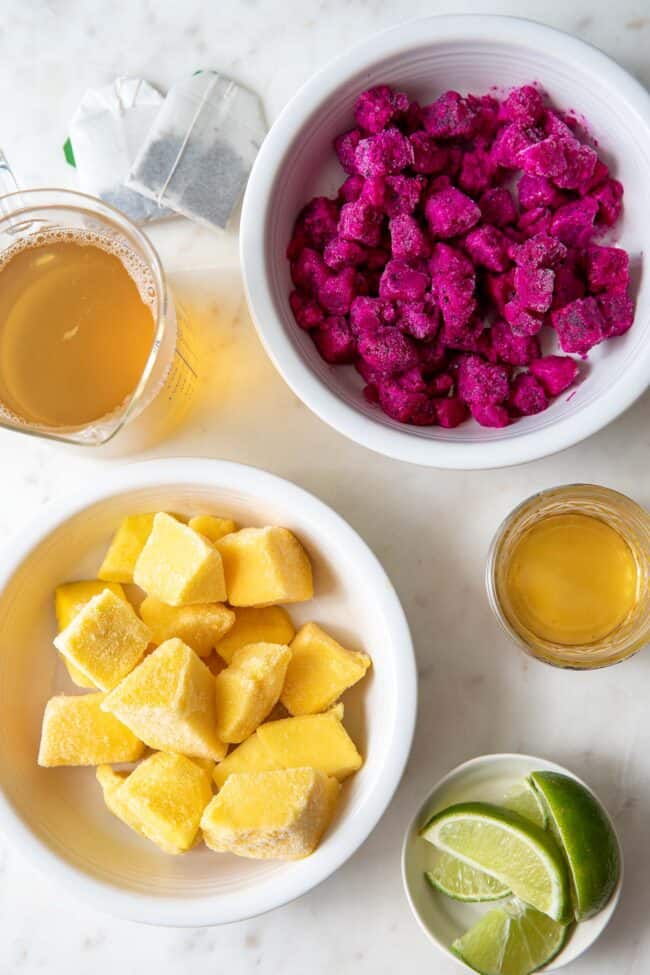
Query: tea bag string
220, 116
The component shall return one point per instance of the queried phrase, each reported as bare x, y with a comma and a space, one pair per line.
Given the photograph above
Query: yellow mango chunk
105, 640
76, 731
125, 549
178, 566
250, 756
165, 796
207, 764
270, 624
320, 671
248, 689
277, 815
200, 626
265, 566
68, 600
111, 782
315, 740
169, 702
212, 527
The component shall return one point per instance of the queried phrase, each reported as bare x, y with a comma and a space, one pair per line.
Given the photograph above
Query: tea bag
106, 133
201, 148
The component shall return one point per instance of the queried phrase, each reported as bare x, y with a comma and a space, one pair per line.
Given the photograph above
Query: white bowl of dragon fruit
443, 237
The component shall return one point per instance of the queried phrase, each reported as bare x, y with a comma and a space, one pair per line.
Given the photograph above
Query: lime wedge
511, 940
464, 883
524, 799
583, 829
509, 848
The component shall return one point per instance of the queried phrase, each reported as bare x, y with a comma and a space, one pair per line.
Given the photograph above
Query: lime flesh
509, 848
464, 883
583, 829
511, 940
525, 800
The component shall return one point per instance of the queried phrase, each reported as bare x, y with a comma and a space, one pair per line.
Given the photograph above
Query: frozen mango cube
178, 566
315, 740
125, 549
320, 670
165, 796
212, 527
111, 783
265, 566
250, 756
269, 624
200, 626
249, 688
105, 640
68, 600
169, 702
279, 815
76, 731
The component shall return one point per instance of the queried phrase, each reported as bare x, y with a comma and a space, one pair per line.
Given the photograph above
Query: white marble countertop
477, 693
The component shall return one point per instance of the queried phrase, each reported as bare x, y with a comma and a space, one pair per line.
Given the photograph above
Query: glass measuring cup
170, 368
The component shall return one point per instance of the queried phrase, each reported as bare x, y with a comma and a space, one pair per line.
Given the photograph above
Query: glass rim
491, 586
84, 203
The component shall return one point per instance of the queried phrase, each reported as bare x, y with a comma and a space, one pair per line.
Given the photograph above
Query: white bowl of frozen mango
56, 813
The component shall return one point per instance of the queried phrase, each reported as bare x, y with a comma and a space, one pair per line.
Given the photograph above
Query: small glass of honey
568, 576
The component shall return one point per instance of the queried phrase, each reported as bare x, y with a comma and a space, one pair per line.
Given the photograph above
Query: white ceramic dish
57, 817
442, 919
425, 57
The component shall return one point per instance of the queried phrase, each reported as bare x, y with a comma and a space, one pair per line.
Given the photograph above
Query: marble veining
430, 529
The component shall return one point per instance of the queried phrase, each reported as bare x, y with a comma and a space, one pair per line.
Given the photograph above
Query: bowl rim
495, 758
219, 909
401, 444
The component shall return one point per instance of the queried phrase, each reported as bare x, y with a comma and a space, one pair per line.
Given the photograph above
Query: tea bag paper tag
106, 133
201, 148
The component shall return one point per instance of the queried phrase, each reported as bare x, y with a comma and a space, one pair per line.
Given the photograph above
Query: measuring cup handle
8, 182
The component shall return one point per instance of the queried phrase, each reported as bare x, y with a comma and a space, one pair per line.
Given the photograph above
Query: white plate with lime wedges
512, 865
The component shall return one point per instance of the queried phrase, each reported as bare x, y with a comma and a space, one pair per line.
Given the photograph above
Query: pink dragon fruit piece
361, 222
370, 314
536, 221
542, 250
618, 311
407, 239
487, 247
350, 189
524, 105
441, 385
411, 119
609, 197
374, 191
413, 379
451, 412
402, 194
340, 252
468, 337
568, 286
306, 311
452, 285
450, 212
449, 117
486, 115
500, 289
555, 372
534, 288
522, 321
308, 271
608, 269
573, 223
424, 413
546, 158
498, 207
579, 325
428, 157
399, 403
527, 395
580, 164
537, 191
335, 341
476, 171
319, 219
490, 416
432, 356
562, 126
371, 393
338, 291
400, 282
597, 178
388, 350
419, 320
345, 147
387, 152
482, 383
378, 106
510, 142
511, 349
